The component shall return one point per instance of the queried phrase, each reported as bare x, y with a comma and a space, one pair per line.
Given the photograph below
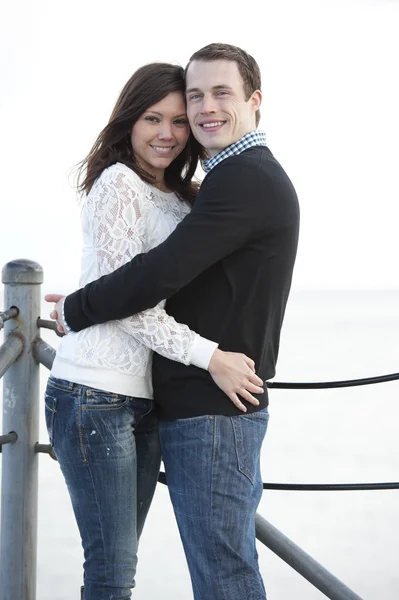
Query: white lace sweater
123, 216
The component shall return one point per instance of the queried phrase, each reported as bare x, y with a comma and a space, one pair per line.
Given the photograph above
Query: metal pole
299, 560
18, 541
9, 352
44, 353
9, 438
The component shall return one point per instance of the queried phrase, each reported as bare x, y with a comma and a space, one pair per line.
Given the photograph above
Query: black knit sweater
226, 271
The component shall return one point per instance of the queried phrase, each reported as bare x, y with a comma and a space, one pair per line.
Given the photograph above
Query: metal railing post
19, 490
299, 560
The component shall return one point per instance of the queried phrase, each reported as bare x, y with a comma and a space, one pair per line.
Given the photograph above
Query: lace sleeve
161, 333
118, 219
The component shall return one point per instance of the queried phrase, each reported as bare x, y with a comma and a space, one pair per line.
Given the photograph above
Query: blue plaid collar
253, 138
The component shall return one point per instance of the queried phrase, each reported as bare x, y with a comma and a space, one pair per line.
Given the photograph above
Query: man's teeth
215, 124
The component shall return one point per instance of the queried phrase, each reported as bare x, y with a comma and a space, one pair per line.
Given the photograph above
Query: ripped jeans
108, 449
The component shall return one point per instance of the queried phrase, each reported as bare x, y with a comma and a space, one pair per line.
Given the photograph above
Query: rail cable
13, 312
324, 487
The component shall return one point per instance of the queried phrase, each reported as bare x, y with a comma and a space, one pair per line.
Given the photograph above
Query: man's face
218, 112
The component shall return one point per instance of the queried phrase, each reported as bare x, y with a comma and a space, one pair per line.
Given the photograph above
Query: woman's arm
117, 216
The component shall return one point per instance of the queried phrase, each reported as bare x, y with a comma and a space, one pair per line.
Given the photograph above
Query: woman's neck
161, 185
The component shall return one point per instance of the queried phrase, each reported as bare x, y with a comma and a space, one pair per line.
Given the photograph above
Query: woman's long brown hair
147, 86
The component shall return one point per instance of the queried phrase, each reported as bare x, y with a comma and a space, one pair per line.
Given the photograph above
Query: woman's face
160, 134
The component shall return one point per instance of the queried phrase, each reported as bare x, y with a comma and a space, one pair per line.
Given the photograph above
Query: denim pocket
99, 400
50, 410
249, 432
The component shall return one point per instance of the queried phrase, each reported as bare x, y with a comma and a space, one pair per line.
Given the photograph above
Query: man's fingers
53, 297
237, 402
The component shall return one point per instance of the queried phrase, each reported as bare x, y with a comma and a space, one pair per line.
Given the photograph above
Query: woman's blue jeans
107, 446
212, 466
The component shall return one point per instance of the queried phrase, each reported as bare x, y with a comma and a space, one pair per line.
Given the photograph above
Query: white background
331, 97
330, 111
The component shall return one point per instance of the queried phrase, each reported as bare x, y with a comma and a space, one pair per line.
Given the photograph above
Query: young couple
222, 256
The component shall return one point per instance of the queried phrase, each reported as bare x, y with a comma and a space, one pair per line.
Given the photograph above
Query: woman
137, 182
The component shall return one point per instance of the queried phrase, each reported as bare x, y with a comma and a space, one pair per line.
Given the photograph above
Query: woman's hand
56, 313
235, 374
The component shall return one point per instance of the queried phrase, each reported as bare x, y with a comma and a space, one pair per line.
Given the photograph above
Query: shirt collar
253, 138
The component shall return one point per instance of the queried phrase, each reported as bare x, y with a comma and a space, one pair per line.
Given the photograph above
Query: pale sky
330, 112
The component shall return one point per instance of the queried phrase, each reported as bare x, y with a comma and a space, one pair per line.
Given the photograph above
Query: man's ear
256, 100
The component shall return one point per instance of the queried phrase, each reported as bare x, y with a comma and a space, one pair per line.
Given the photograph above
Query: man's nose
208, 104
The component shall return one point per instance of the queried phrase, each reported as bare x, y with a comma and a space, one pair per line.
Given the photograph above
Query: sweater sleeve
117, 218
226, 215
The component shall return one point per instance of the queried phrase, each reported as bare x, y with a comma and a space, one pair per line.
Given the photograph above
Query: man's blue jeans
107, 446
212, 466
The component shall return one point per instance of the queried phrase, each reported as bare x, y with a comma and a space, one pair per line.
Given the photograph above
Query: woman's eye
181, 122
152, 119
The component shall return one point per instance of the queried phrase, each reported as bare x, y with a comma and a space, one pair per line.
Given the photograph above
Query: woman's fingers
253, 378
248, 397
249, 362
255, 389
237, 402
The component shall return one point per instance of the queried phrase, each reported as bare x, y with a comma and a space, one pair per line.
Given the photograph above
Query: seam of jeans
152, 405
67, 387
217, 429
239, 445
214, 423
215, 420
46, 395
104, 407
51, 427
97, 392
80, 429
105, 558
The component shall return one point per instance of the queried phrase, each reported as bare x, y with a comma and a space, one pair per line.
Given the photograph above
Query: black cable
332, 384
331, 487
317, 487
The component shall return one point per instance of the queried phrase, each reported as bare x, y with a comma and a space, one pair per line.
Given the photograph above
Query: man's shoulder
254, 164
254, 158
255, 173
260, 159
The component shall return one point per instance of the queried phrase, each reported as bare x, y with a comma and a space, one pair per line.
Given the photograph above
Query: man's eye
194, 97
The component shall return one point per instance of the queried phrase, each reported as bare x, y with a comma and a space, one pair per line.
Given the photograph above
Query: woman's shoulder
117, 183
120, 172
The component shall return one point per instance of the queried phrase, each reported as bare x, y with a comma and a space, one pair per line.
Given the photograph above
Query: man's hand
235, 374
56, 313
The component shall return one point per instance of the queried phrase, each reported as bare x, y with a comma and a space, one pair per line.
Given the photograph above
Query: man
226, 271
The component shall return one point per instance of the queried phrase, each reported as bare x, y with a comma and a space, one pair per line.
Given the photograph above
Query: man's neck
211, 152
